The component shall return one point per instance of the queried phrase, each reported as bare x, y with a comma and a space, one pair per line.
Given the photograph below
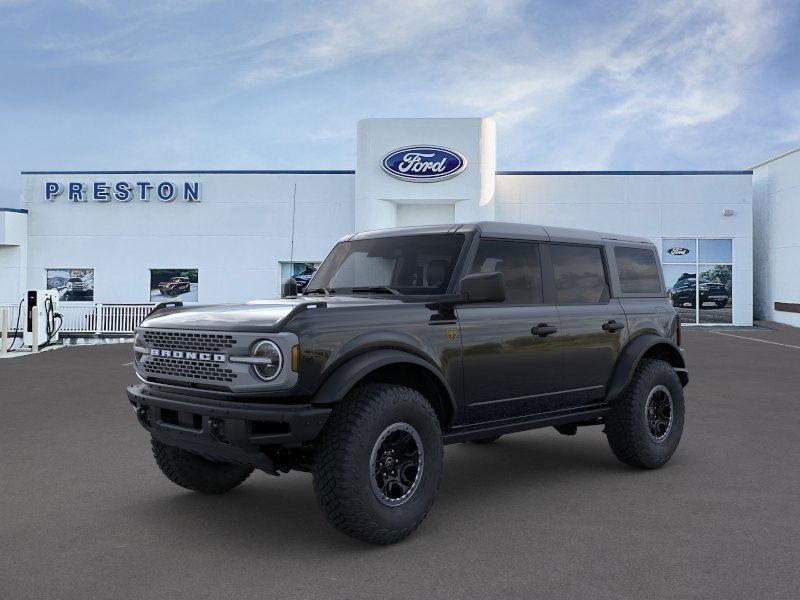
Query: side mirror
290, 287
483, 287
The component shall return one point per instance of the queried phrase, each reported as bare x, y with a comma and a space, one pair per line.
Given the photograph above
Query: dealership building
136, 237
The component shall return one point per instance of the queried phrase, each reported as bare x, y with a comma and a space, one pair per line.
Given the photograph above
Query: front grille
193, 342
187, 369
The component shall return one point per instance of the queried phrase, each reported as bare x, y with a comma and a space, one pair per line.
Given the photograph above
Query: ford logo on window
423, 163
678, 251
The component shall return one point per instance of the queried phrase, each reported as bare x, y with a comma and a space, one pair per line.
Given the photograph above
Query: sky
247, 84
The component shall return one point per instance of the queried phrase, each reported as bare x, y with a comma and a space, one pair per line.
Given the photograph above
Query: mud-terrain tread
626, 436
195, 473
335, 459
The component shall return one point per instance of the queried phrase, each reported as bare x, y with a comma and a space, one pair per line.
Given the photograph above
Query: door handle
612, 326
543, 330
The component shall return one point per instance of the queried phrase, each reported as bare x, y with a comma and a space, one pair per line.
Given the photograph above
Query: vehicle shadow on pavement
266, 511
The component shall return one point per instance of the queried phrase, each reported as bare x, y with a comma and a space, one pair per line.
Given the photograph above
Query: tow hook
143, 414
216, 427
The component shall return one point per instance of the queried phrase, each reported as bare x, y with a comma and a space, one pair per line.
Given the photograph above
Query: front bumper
226, 431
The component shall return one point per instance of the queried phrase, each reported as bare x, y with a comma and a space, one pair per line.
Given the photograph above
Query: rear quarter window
638, 270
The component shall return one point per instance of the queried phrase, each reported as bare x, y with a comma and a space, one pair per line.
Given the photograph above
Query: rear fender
640, 347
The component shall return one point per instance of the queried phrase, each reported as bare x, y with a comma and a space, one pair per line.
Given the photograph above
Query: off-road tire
487, 440
193, 472
342, 467
626, 424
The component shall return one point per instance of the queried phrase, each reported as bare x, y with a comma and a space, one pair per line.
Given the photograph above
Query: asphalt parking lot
84, 512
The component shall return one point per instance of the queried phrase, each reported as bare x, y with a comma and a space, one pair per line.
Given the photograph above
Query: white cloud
336, 34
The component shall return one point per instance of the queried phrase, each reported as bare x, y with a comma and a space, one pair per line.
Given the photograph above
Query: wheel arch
644, 346
390, 366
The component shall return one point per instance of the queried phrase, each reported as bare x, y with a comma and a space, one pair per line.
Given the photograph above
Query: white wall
380, 197
13, 255
235, 236
776, 197
652, 206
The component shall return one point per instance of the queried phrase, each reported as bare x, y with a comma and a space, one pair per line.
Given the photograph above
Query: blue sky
193, 84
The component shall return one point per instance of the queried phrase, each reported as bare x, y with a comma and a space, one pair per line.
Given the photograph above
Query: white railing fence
91, 318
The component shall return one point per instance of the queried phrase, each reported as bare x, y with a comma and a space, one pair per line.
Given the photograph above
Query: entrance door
511, 355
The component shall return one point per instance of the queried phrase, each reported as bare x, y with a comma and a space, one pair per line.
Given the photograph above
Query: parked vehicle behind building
407, 340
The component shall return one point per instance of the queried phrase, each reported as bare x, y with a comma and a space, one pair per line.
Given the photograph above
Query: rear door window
638, 270
580, 276
519, 264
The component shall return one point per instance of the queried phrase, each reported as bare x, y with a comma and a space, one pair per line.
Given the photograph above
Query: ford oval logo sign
423, 163
678, 251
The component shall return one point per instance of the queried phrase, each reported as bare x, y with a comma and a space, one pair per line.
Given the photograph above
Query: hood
255, 316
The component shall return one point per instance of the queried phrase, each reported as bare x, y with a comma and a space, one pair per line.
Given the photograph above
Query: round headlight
271, 366
137, 343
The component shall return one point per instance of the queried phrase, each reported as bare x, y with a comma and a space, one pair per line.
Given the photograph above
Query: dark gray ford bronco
406, 340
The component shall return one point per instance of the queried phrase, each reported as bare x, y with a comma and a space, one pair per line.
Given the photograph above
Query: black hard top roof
504, 230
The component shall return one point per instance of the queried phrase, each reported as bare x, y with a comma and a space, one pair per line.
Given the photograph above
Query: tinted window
638, 271
408, 264
519, 264
579, 274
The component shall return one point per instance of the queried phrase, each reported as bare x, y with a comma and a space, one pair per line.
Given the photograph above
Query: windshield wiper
375, 289
323, 290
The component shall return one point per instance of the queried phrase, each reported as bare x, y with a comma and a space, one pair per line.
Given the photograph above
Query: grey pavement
85, 513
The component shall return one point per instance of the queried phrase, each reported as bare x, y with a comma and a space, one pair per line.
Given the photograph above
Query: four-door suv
685, 292
175, 286
406, 340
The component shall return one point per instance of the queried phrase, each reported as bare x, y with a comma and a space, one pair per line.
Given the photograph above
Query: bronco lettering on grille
186, 355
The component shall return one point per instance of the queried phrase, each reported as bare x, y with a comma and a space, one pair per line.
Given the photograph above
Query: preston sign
122, 191
423, 163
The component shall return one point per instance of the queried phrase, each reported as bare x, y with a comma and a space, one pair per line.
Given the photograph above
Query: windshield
414, 264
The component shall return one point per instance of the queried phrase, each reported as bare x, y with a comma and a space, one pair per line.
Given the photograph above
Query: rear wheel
378, 463
193, 472
645, 425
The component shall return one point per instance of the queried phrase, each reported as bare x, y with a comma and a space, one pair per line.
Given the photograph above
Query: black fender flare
631, 356
345, 376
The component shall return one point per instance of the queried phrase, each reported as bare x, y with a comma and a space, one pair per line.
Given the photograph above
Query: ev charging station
42, 319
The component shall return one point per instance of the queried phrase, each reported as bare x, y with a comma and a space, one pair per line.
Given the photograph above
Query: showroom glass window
699, 276
73, 285
519, 264
302, 271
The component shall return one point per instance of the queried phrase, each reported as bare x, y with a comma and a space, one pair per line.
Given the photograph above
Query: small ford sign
423, 163
678, 251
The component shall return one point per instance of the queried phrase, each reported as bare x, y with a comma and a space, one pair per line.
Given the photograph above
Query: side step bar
478, 432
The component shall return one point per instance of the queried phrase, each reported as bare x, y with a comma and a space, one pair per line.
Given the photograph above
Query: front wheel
645, 425
378, 463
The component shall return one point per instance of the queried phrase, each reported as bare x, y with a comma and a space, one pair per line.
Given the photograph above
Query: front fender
345, 376
631, 356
